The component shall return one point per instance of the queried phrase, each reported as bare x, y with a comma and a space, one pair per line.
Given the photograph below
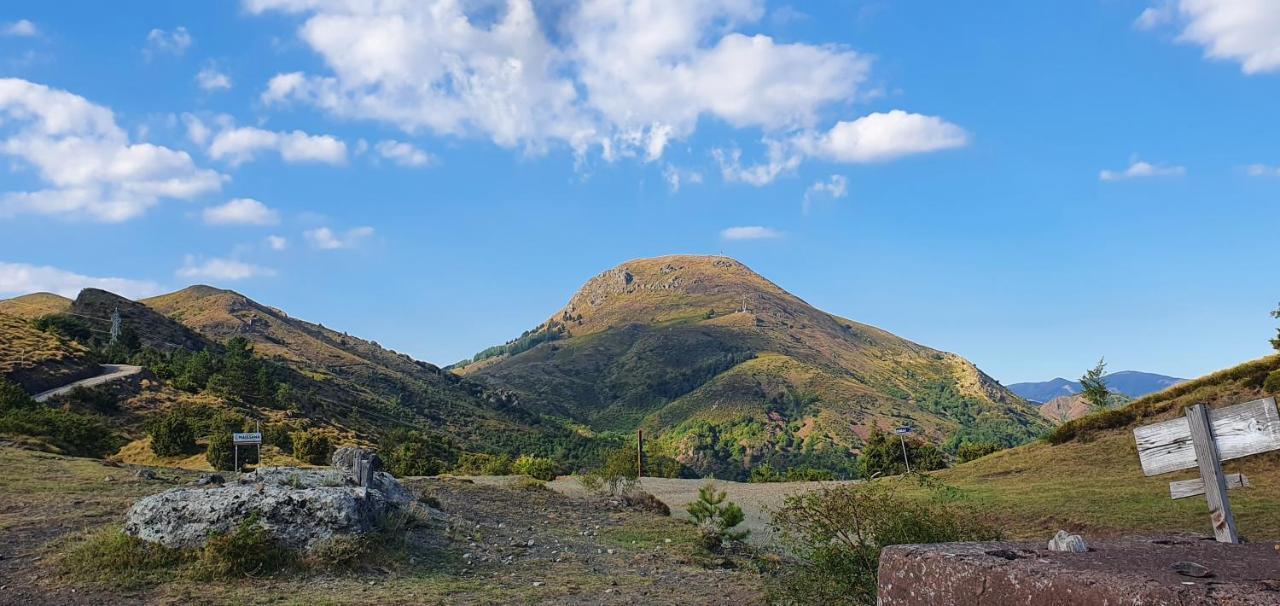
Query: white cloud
161, 42
277, 242
1262, 170
194, 267
86, 160
21, 278
884, 136
211, 79
835, 187
750, 232
1245, 31
241, 211
403, 154
324, 238
1139, 169
675, 177
21, 28
239, 145
197, 132
781, 159
624, 76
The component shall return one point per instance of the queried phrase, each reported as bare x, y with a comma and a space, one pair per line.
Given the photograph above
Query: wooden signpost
1203, 439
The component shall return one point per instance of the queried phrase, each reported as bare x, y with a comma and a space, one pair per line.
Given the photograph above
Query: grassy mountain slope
35, 305
1091, 480
354, 374
37, 360
702, 349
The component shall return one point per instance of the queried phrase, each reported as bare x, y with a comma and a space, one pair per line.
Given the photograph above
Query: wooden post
639, 453
1215, 484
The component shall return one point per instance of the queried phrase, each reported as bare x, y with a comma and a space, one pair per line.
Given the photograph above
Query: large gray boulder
300, 507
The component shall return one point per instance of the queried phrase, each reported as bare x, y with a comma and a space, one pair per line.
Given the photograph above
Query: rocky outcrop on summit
299, 507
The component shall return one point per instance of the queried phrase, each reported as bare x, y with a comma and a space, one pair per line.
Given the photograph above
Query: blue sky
1031, 187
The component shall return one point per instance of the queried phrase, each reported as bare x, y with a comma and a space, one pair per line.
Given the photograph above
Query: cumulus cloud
625, 77
1262, 170
21, 279
87, 162
1139, 169
198, 268
277, 242
241, 211
324, 238
21, 28
1244, 31
239, 145
750, 232
211, 79
403, 154
161, 42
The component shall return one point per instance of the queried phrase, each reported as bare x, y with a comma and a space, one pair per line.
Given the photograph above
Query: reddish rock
1124, 571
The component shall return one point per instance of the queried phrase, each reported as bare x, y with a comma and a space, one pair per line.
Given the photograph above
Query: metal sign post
902, 431
1203, 439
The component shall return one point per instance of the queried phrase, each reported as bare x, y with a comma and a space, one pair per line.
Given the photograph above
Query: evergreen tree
1095, 387
1276, 341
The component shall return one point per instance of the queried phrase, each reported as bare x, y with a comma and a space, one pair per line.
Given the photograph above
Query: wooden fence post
1215, 483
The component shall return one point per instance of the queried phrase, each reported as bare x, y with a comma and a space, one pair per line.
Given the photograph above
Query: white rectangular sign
246, 438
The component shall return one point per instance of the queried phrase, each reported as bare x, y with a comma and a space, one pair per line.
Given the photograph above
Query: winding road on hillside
110, 372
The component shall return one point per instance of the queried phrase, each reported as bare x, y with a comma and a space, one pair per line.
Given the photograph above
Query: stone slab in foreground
1123, 571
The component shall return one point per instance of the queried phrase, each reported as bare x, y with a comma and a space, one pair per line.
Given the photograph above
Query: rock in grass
1192, 569
300, 508
1063, 541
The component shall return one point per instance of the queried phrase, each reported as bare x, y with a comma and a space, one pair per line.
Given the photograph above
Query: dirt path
756, 500
110, 372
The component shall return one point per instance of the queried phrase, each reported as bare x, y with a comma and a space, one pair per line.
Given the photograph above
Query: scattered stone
207, 479
1063, 541
1192, 569
145, 474
538, 583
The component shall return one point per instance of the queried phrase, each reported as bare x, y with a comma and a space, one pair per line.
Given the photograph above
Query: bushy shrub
1272, 384
221, 452
414, 453
834, 536
618, 472
882, 454
766, 473
715, 518
172, 434
537, 468
312, 447
969, 451
77, 434
481, 464
278, 435
642, 500
247, 551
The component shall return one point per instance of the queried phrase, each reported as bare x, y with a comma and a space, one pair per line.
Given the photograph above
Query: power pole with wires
115, 325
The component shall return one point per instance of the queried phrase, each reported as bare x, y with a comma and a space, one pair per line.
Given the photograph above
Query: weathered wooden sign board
1205, 438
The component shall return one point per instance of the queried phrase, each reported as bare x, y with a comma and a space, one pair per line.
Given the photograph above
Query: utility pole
639, 453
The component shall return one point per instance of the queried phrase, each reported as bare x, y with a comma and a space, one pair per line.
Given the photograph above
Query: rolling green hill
1086, 477
728, 369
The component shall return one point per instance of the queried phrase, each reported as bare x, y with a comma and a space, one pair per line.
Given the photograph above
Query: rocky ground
498, 544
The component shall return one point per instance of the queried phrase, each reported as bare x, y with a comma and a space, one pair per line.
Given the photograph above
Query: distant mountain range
1131, 383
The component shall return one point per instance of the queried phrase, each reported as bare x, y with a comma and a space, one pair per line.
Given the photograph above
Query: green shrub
834, 536
1272, 384
764, 473
119, 560
414, 453
220, 453
1088, 426
71, 433
537, 468
96, 399
715, 518
278, 435
312, 447
172, 435
882, 454
247, 551
481, 464
969, 451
